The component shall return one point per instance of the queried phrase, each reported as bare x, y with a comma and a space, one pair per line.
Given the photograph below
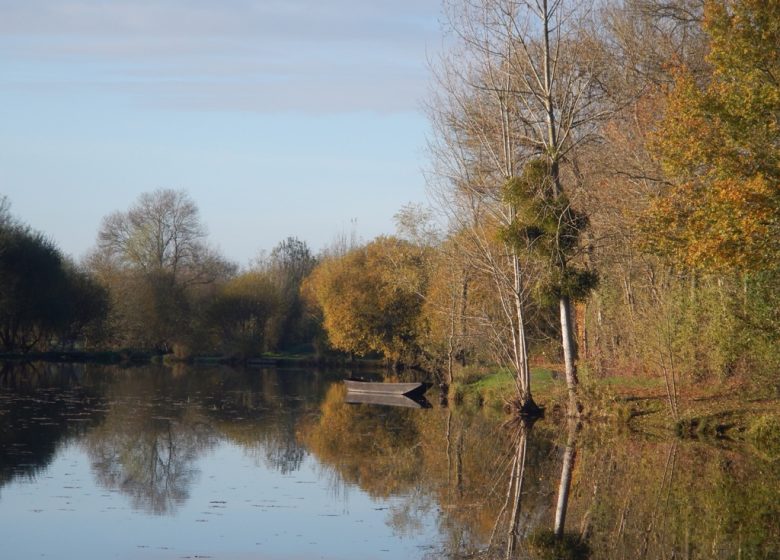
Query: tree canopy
44, 299
722, 208
370, 298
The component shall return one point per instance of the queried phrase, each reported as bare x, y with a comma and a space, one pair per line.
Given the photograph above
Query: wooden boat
359, 386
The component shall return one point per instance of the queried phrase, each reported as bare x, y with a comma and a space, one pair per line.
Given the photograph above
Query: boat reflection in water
386, 400
408, 395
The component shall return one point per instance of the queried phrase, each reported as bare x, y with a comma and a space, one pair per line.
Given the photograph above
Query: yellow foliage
720, 145
371, 297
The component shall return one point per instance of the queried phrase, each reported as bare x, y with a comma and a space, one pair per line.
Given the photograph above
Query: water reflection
145, 428
557, 543
374, 447
42, 406
556, 490
551, 490
147, 445
511, 506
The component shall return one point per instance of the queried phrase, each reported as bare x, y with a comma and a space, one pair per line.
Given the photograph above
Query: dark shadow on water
42, 407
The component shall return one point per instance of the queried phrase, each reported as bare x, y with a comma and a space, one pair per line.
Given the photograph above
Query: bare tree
162, 232
154, 259
520, 88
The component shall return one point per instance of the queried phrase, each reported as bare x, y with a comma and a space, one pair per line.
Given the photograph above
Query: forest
605, 202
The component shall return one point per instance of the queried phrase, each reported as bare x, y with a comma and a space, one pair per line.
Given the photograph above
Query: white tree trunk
569, 353
522, 370
565, 484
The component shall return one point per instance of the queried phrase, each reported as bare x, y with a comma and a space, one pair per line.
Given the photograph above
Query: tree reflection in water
376, 448
159, 424
559, 491
511, 507
144, 428
42, 408
147, 450
519, 524
558, 544
557, 488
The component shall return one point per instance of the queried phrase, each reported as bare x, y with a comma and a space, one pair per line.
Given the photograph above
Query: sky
279, 117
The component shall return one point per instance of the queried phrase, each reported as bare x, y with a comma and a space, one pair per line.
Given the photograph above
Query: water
154, 463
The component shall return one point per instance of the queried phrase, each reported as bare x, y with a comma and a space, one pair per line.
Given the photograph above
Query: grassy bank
493, 389
639, 403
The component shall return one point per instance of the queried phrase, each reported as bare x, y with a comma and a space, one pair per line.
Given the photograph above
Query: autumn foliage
719, 143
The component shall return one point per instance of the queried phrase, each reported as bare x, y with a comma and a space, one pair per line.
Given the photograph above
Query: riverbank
725, 411
722, 411
134, 357
77, 356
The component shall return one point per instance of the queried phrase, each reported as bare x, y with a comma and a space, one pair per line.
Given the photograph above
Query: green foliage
290, 262
239, 316
490, 388
764, 431
547, 226
575, 283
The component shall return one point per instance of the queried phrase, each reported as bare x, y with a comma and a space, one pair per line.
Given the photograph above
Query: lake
213, 462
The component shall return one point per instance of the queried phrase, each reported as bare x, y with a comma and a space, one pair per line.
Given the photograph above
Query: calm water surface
158, 463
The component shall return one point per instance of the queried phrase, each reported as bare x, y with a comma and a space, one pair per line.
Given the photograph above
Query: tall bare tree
520, 88
161, 233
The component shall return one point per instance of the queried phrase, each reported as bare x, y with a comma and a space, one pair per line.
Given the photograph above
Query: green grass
493, 389
764, 431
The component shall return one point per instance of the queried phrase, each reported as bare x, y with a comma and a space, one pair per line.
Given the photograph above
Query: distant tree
415, 223
293, 258
162, 231
371, 298
5, 210
288, 264
88, 303
158, 267
240, 314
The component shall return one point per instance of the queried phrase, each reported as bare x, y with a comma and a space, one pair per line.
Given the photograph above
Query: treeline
172, 292
43, 295
608, 182
151, 284
612, 172
607, 196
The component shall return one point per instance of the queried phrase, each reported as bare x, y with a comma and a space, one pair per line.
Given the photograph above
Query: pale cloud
265, 56
316, 20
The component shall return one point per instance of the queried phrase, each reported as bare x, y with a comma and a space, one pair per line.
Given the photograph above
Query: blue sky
278, 117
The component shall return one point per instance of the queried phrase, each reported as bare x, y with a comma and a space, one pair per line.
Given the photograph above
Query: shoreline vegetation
714, 412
